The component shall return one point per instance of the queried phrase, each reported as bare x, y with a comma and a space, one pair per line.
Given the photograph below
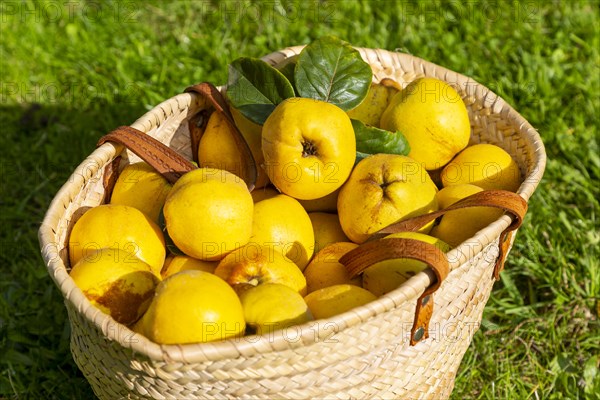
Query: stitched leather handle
373, 252
167, 161
162, 158
378, 248
510, 202
214, 96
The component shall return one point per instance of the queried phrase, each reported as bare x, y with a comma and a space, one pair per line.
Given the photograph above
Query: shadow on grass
41, 145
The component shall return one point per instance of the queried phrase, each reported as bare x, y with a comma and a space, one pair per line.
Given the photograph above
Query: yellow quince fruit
281, 222
272, 306
192, 307
117, 282
118, 226
337, 299
485, 165
325, 269
383, 189
327, 229
309, 147
178, 263
459, 225
369, 111
208, 213
433, 118
256, 265
141, 187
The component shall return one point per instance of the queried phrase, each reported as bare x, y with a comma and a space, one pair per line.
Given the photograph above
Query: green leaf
255, 88
287, 68
371, 140
331, 70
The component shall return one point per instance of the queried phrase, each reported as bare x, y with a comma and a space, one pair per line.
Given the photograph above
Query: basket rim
312, 332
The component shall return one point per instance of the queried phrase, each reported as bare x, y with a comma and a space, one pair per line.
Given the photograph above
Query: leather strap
378, 248
510, 202
165, 160
110, 176
215, 97
197, 125
369, 253
211, 93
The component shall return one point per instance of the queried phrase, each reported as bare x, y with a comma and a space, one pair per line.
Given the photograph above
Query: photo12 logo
67, 11
319, 331
451, 332
455, 11
56, 92
292, 172
240, 12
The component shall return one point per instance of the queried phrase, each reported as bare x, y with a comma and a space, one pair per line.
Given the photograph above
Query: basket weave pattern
364, 353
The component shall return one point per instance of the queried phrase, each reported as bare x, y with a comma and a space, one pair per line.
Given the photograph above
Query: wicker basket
363, 353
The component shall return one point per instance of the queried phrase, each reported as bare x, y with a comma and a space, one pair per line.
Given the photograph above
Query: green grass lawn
71, 72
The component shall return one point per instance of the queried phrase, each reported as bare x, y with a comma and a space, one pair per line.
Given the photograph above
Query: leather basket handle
378, 249
218, 102
509, 202
167, 161
162, 158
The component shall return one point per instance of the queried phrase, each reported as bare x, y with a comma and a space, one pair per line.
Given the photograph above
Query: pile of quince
339, 158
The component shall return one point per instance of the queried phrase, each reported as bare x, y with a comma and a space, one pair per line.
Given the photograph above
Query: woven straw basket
363, 353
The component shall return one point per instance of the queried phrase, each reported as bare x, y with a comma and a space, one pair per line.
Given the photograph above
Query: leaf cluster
329, 70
